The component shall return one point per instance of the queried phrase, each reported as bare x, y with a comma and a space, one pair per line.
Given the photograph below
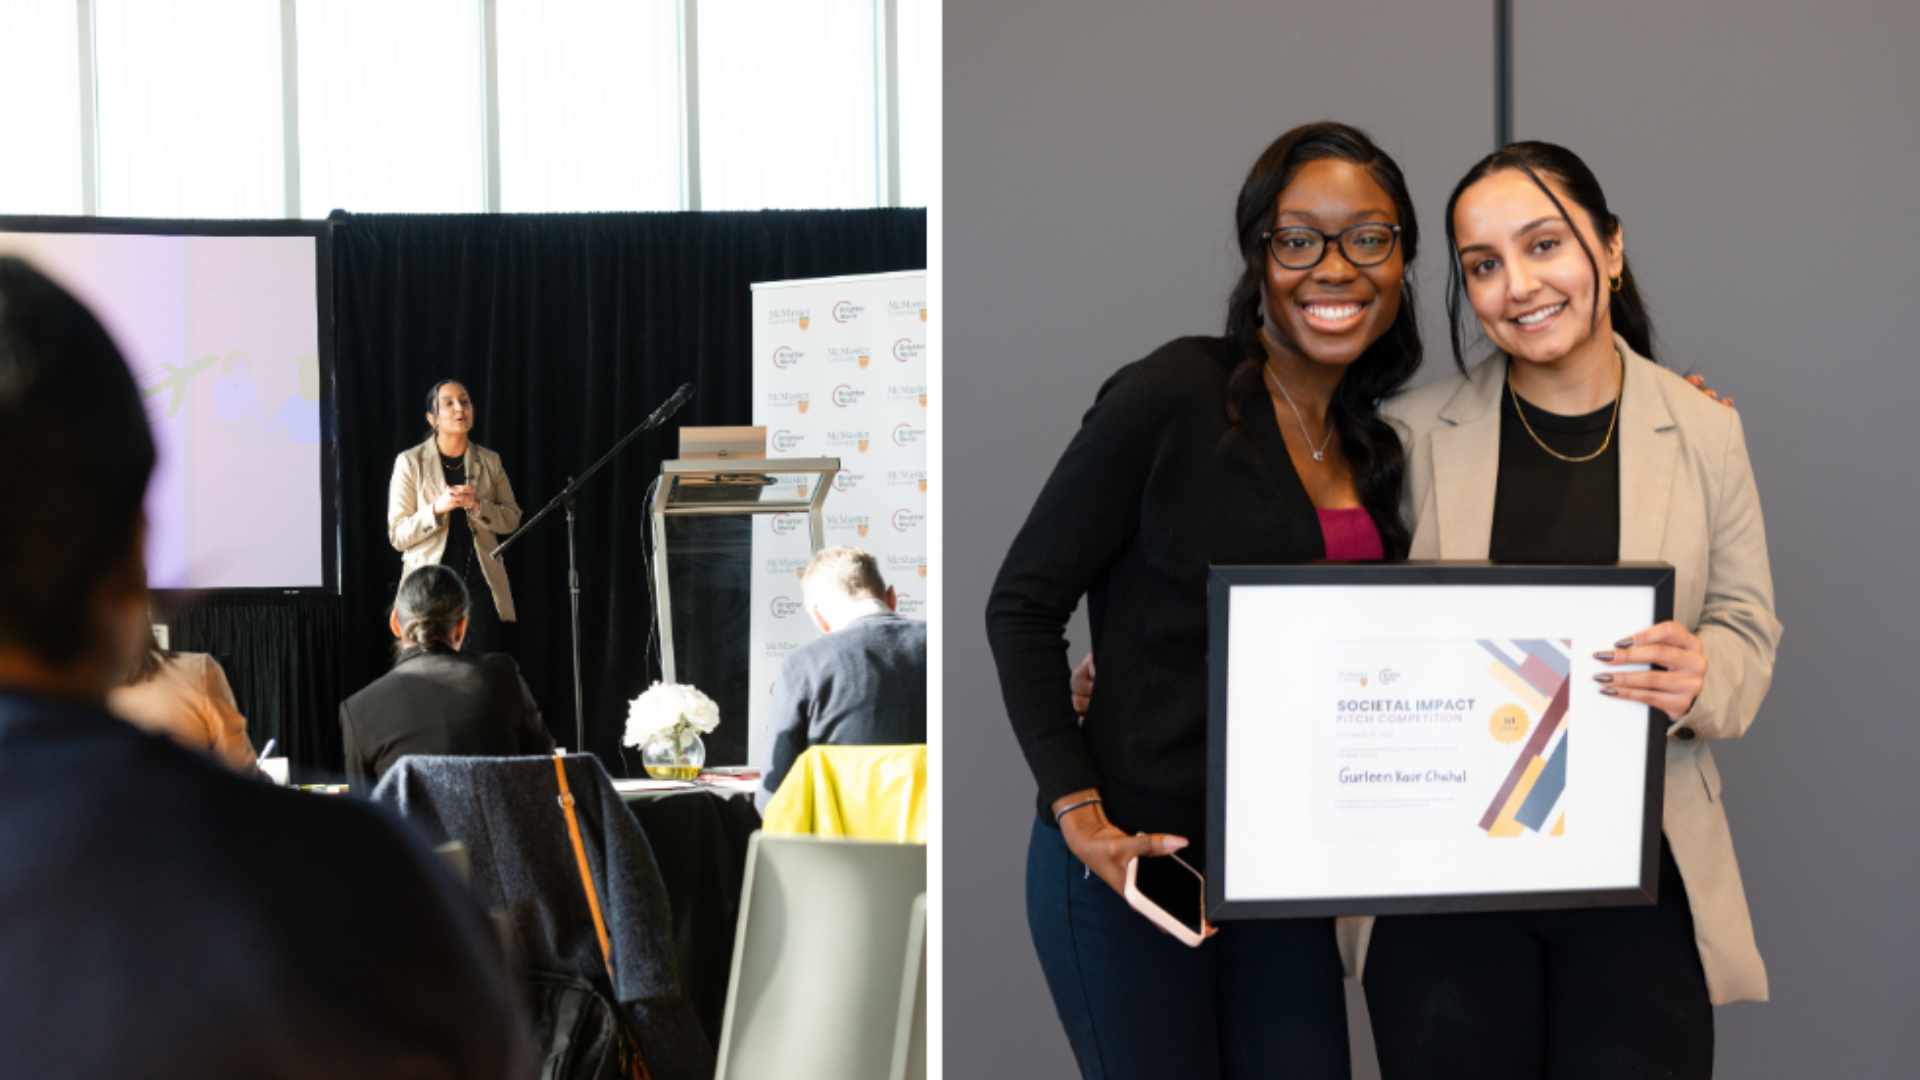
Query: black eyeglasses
1301, 247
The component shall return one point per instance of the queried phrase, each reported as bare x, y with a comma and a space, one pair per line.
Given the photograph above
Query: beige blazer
1687, 498
421, 537
187, 699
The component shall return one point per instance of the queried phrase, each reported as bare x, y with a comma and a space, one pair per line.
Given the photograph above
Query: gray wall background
1762, 155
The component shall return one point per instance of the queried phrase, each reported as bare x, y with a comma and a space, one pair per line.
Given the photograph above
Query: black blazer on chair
442, 703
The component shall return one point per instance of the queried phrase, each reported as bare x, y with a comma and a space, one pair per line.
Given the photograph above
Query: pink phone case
1138, 901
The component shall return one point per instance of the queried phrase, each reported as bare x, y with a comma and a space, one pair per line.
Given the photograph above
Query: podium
702, 518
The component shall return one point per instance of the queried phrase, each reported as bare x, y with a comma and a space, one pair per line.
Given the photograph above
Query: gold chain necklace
1608, 441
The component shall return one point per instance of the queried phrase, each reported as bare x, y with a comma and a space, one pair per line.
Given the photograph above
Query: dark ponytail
1537, 160
1369, 443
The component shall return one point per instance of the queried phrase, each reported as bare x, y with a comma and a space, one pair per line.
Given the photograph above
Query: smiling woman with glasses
1263, 445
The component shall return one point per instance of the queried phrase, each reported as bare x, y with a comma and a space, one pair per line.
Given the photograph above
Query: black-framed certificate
1429, 737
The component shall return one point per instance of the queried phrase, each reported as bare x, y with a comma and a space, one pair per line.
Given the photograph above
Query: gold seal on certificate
1509, 724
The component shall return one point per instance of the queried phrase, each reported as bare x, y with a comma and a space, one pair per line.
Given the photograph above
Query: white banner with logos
839, 370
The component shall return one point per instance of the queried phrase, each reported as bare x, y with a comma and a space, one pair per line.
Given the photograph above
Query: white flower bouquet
670, 709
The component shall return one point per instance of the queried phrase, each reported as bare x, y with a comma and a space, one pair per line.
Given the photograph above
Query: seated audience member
438, 700
185, 697
164, 917
864, 683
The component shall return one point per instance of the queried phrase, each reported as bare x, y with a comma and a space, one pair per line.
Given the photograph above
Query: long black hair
1368, 441
1539, 160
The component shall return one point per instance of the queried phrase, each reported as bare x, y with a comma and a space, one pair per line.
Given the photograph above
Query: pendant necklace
1318, 455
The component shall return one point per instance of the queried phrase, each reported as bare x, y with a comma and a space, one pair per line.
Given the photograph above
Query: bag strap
586, 875
637, 1063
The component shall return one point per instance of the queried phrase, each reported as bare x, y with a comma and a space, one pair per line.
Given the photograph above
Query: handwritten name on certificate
1440, 740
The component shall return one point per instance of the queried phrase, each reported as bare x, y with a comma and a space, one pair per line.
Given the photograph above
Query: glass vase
669, 758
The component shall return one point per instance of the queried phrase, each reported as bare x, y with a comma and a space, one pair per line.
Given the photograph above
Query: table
699, 838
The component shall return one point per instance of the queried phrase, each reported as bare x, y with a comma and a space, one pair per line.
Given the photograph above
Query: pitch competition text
1399, 712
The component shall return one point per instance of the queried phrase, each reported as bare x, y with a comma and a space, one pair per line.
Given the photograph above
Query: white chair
910, 1036
826, 946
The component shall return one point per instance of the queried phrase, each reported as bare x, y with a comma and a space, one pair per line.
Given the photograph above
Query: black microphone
660, 415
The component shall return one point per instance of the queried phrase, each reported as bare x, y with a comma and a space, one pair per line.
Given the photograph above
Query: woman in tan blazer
448, 504
185, 696
1611, 458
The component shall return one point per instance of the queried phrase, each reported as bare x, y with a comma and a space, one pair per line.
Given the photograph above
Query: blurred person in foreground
160, 916
863, 682
438, 699
184, 696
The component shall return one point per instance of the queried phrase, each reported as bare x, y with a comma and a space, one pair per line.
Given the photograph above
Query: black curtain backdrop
568, 330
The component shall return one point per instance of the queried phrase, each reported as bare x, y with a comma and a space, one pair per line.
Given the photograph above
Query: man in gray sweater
863, 682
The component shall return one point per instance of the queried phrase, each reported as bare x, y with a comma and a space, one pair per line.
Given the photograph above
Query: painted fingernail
1623, 643
1609, 691
1603, 656
1603, 678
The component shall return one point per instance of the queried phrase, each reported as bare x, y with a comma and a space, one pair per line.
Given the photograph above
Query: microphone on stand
672, 405
565, 499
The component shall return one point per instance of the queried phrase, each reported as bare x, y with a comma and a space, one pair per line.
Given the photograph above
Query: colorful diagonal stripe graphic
1536, 671
1546, 790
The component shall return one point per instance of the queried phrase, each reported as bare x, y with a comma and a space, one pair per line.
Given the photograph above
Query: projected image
222, 334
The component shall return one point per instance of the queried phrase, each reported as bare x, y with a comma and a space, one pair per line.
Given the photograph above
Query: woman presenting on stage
448, 502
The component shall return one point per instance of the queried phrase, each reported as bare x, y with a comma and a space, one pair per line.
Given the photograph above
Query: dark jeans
1261, 999
1597, 993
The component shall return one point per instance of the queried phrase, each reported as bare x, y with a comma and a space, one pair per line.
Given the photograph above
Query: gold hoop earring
1618, 280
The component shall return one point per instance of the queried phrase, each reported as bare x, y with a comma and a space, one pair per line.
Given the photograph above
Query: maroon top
1350, 535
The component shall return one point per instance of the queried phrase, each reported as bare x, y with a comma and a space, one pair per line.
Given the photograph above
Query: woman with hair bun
1571, 445
449, 503
438, 699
